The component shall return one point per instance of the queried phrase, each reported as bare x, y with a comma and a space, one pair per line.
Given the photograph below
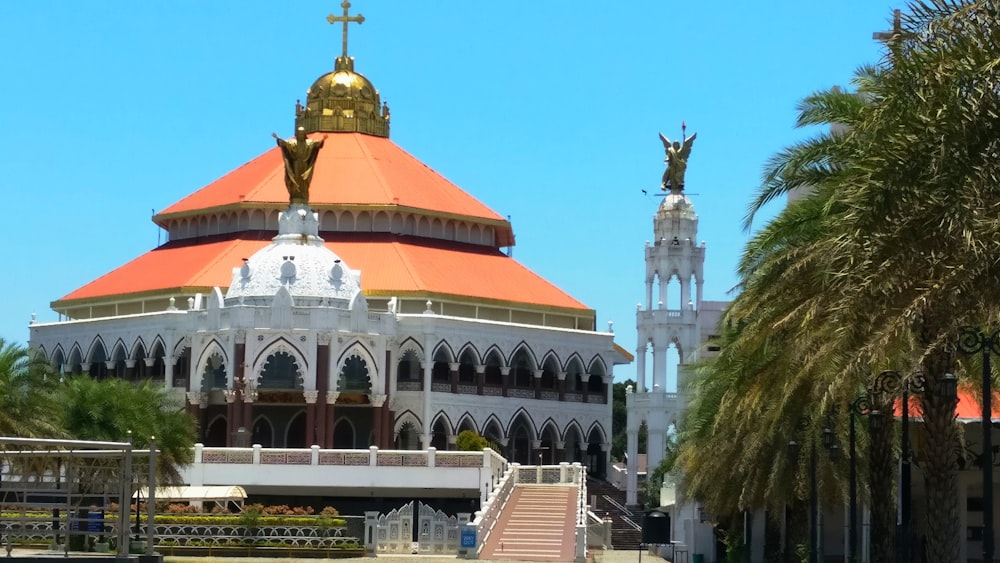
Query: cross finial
345, 19
895, 34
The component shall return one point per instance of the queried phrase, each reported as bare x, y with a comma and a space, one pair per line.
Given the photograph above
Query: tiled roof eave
64, 304
161, 218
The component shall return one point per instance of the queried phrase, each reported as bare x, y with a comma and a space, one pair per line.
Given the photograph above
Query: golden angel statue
676, 159
300, 157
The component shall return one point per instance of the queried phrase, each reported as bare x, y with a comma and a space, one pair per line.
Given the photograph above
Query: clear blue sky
546, 111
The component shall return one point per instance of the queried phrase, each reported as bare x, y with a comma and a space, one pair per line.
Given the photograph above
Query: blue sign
468, 537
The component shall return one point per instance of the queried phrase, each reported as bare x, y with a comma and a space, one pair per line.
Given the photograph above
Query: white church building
381, 312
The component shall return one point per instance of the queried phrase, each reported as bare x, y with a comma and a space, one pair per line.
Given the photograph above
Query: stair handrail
488, 515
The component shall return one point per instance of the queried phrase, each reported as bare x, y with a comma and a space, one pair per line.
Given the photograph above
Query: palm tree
117, 410
27, 409
920, 227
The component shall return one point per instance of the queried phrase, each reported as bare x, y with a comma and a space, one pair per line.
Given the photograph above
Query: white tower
671, 316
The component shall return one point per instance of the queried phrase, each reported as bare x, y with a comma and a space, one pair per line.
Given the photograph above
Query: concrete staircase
537, 524
626, 531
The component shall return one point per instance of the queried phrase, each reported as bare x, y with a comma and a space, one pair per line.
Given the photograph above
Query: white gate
395, 530
438, 531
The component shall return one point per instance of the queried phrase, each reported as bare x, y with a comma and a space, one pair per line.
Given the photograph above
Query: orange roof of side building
390, 265
352, 169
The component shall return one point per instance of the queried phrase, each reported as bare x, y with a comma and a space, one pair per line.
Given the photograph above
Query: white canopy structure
220, 494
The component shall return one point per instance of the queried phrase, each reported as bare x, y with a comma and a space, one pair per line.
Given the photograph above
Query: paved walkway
596, 556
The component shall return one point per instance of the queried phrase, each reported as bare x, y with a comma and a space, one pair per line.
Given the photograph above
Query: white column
685, 292
659, 366
654, 444
631, 483
664, 285
640, 366
649, 292
425, 437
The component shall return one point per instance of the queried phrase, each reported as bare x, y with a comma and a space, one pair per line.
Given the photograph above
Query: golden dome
343, 101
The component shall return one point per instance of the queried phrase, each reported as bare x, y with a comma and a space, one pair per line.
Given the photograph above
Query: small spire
345, 19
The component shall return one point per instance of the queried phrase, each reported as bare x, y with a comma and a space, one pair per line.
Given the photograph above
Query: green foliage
251, 519
114, 409
469, 441
27, 387
619, 421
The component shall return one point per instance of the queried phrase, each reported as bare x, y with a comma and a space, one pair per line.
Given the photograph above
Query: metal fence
53, 491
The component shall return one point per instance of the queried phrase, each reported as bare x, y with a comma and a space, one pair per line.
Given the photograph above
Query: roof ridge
370, 160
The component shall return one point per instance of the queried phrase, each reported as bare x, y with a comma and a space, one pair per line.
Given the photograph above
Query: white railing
372, 457
488, 515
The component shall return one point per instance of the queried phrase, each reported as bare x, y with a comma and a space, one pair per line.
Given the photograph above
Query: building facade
377, 308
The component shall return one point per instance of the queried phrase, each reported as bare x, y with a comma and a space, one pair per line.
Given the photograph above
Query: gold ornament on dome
343, 100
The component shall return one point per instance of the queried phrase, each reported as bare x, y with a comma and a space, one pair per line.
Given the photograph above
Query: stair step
530, 527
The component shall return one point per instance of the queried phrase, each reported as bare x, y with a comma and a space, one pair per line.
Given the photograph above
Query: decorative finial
345, 19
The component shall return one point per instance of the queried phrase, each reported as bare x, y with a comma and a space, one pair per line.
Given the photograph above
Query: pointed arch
573, 442
211, 368
469, 349
468, 359
548, 436
520, 436
524, 350
97, 352
493, 362
522, 367
493, 430
356, 370
157, 349
263, 431
597, 366
408, 370
522, 415
215, 432
404, 417
441, 431
280, 365
57, 357
295, 431
466, 422
576, 378
410, 343
550, 371
75, 358
443, 356
345, 435
596, 434
138, 349
444, 350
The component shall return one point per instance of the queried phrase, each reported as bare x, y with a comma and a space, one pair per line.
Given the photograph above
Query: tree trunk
940, 464
882, 486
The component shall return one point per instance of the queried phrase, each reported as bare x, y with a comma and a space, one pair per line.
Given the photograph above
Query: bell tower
669, 317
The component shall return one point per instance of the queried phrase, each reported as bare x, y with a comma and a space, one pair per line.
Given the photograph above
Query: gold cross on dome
345, 19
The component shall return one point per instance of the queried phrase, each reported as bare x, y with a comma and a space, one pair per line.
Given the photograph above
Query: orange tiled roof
351, 169
389, 264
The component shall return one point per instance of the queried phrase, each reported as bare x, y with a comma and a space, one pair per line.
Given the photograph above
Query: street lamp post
804, 423
860, 406
894, 384
973, 341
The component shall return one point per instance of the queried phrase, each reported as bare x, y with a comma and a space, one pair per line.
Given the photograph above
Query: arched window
407, 438
343, 435
408, 367
214, 376
281, 371
354, 376
439, 373
521, 370
467, 367
263, 433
